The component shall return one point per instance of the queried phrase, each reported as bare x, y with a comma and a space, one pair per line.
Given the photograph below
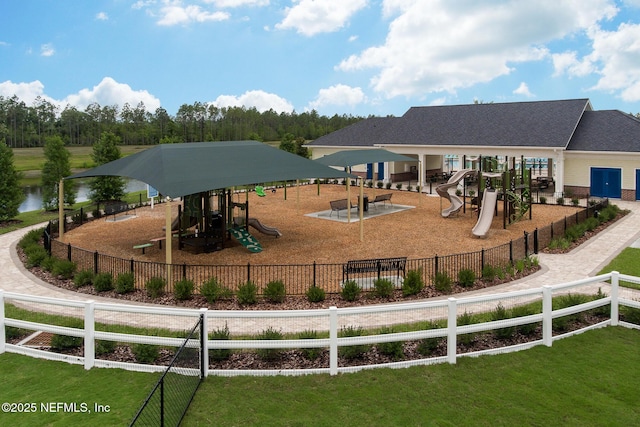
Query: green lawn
626, 263
45, 383
588, 380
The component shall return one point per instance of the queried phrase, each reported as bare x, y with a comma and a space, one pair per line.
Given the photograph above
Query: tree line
23, 126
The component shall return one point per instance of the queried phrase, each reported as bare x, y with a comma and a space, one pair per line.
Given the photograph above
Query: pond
33, 193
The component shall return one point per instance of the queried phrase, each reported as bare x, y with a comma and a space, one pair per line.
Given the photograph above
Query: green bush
413, 283
36, 255
155, 286
466, 277
48, 263
442, 282
387, 186
65, 342
428, 346
275, 291
247, 293
213, 291
103, 282
559, 243
351, 352
523, 311
31, 238
399, 186
104, 347
145, 353
370, 184
392, 349
501, 313
125, 283
219, 354
350, 290
489, 272
63, 268
11, 332
383, 288
83, 278
630, 314
543, 200
183, 289
462, 320
269, 354
316, 294
309, 353
379, 184
560, 200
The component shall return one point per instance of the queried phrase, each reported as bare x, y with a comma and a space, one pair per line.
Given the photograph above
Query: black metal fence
168, 401
299, 277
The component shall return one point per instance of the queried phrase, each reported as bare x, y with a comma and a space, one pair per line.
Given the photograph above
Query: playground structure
499, 180
207, 221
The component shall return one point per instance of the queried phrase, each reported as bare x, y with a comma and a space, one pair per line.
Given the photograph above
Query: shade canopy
176, 170
359, 157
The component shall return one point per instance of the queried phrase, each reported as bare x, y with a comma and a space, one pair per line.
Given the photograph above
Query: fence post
452, 337
89, 335
184, 270
482, 259
526, 244
511, 251
435, 265
551, 230
95, 262
535, 241
547, 316
615, 307
204, 344
81, 216
69, 251
248, 271
3, 335
131, 269
333, 340
314, 273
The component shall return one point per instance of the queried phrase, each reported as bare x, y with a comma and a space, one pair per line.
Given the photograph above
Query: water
33, 193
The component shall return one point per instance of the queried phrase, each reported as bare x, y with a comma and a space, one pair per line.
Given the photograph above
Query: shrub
103, 282
269, 354
65, 342
183, 289
387, 186
399, 186
575, 201
315, 294
409, 187
125, 283
462, 320
543, 200
560, 200
520, 265
275, 291
83, 278
155, 286
104, 347
350, 290
392, 349
559, 243
48, 263
370, 184
413, 283
36, 255
442, 282
79, 218
501, 313
247, 293
351, 352
11, 332
219, 354
63, 268
489, 272
379, 184
383, 288
96, 213
145, 353
309, 353
523, 311
427, 346
31, 238
213, 290
630, 314
466, 277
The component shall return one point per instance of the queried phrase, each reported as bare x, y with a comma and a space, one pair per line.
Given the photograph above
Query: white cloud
173, 13
47, 50
26, 92
102, 16
110, 92
260, 100
442, 46
238, 3
338, 95
523, 89
311, 17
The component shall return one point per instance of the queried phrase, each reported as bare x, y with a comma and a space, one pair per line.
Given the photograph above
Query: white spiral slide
489, 200
443, 191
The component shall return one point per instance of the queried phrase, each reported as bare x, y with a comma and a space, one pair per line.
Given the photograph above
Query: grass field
587, 380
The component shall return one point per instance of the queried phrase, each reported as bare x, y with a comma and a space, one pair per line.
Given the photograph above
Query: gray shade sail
176, 170
359, 157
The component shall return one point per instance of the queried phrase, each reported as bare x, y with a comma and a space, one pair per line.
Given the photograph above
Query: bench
143, 246
339, 205
115, 207
544, 182
374, 266
382, 198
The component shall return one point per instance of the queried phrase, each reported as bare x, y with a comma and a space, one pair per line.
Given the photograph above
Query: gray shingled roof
547, 124
609, 130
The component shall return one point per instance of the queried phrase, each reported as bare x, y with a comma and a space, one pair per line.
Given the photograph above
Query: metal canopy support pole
361, 210
61, 210
168, 247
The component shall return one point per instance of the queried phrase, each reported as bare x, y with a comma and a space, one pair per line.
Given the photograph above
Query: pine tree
11, 195
106, 187
55, 168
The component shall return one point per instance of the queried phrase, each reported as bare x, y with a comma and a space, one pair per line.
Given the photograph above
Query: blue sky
357, 57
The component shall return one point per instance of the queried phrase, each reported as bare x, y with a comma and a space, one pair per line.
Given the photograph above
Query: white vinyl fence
129, 325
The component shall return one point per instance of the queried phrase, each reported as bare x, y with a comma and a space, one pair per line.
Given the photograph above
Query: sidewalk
580, 263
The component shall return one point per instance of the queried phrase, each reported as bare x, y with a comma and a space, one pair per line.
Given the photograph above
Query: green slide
246, 239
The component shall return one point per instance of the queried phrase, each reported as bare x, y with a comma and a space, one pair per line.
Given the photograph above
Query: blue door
380, 171
637, 184
369, 170
606, 182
